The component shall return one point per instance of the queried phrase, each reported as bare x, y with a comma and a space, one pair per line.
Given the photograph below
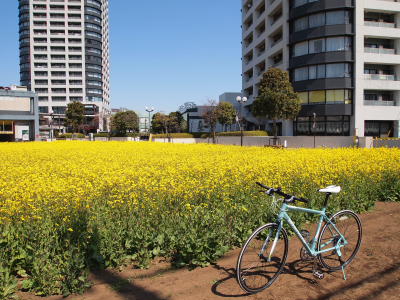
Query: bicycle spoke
255, 271
349, 228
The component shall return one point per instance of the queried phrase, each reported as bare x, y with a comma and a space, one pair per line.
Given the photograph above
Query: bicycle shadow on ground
218, 287
297, 268
304, 271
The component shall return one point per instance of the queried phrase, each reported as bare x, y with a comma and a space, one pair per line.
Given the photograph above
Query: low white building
19, 116
196, 122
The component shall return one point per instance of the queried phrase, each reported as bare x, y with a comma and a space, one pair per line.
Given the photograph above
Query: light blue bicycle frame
311, 247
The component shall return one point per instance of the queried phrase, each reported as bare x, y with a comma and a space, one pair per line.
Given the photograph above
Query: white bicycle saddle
333, 189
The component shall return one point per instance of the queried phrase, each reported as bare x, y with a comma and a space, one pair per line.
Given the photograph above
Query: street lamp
149, 110
51, 125
241, 100
314, 126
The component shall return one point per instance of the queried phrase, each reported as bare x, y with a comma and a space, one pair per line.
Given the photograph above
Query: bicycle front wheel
349, 226
262, 258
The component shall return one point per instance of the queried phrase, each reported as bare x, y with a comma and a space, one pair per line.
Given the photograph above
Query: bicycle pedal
318, 274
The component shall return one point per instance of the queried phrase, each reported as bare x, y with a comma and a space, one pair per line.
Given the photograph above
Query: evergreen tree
276, 100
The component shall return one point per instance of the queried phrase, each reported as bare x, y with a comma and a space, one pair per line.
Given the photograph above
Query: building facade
19, 115
64, 54
343, 58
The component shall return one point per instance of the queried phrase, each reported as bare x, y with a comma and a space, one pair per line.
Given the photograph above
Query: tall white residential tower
343, 58
64, 57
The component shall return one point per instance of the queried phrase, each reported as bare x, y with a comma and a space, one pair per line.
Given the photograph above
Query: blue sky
163, 52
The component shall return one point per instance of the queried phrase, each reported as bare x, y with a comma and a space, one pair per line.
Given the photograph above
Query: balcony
248, 40
260, 10
248, 75
380, 50
376, 19
379, 103
248, 23
275, 16
276, 59
380, 77
260, 68
260, 49
248, 58
247, 6
380, 24
260, 29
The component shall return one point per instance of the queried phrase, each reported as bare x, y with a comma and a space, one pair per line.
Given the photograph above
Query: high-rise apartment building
343, 58
64, 56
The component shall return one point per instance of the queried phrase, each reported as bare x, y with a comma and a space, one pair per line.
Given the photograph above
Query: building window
379, 128
43, 109
326, 97
303, 96
322, 125
322, 19
301, 49
316, 97
339, 70
59, 110
59, 99
301, 74
331, 44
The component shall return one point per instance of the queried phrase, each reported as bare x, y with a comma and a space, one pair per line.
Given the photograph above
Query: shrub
102, 134
207, 134
245, 133
72, 135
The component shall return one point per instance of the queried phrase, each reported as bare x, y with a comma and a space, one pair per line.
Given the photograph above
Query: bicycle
264, 254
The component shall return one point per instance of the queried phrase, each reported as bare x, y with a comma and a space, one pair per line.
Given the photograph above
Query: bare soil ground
374, 274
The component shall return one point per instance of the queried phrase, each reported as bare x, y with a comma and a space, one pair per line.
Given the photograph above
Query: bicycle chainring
305, 256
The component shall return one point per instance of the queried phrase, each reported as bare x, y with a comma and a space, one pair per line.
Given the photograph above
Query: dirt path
374, 274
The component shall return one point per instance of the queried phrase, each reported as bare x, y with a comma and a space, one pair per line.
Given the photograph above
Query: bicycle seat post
326, 199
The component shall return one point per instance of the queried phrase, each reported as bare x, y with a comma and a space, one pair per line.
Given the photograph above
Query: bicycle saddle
332, 189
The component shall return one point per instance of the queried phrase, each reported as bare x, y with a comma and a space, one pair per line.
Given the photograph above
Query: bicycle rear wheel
349, 225
257, 266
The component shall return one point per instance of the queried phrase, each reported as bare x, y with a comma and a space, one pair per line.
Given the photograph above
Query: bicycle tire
255, 278
349, 225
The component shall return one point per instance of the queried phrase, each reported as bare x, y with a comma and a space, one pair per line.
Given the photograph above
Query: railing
248, 60
379, 50
379, 103
379, 77
380, 24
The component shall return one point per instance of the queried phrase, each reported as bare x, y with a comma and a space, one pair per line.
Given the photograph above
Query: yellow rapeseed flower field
40, 177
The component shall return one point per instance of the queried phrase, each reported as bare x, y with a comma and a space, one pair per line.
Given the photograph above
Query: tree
276, 100
226, 113
162, 123
187, 106
176, 123
125, 122
210, 117
74, 115
159, 123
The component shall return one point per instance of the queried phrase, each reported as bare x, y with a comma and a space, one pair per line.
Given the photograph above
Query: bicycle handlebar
288, 198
